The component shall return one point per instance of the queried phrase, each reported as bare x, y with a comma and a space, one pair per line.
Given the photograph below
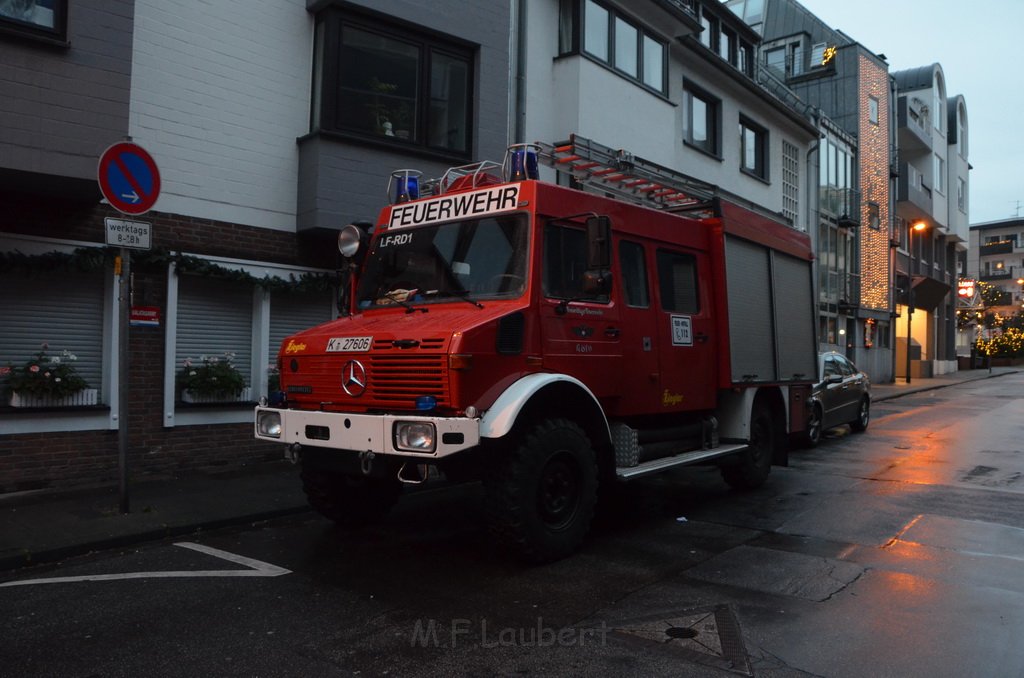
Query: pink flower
34, 369
4, 371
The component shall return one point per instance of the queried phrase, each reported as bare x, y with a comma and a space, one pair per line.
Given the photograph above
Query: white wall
574, 94
220, 91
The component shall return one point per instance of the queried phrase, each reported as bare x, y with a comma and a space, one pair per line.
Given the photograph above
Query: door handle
701, 337
612, 332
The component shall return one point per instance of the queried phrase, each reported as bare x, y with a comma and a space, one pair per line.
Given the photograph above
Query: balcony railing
999, 274
1001, 247
841, 203
911, 188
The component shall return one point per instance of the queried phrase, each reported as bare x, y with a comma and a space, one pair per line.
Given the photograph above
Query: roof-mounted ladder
627, 176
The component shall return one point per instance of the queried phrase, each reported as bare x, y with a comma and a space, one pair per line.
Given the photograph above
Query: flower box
87, 396
244, 396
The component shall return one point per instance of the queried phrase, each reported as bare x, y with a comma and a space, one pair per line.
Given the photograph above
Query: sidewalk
38, 527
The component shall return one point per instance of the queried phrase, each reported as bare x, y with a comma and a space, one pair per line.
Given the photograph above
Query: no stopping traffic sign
129, 178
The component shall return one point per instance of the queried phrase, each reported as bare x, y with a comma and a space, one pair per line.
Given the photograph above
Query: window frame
328, 104
57, 34
873, 110
761, 148
712, 119
573, 41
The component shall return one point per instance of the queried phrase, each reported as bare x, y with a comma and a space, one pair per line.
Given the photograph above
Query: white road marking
258, 568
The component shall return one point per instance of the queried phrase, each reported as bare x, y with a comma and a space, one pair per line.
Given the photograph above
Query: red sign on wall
144, 316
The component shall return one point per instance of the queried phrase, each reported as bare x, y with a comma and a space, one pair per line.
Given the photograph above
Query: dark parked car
841, 396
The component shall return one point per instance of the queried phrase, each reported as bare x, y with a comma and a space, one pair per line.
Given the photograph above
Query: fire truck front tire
755, 462
541, 493
349, 500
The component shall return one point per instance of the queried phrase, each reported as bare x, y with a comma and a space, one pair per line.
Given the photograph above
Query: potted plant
46, 380
211, 379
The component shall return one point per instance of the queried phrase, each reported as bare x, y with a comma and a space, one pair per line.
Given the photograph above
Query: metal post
910, 292
910, 317
122, 377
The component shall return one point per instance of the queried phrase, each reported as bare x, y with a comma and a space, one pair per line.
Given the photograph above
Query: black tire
860, 424
349, 500
541, 495
755, 462
814, 432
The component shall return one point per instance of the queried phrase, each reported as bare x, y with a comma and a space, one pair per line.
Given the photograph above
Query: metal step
682, 459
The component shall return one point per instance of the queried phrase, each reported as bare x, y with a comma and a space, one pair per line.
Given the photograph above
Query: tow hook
366, 462
413, 474
293, 453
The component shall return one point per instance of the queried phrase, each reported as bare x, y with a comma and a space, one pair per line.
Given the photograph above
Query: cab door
581, 332
686, 339
641, 374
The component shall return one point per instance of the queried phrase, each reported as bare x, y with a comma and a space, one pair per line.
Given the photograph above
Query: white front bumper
367, 432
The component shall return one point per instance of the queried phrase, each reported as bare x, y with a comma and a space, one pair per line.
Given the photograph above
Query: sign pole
124, 308
130, 181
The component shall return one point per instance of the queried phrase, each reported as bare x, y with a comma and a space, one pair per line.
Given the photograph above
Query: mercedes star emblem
353, 378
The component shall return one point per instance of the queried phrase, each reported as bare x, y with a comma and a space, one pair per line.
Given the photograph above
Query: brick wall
65, 459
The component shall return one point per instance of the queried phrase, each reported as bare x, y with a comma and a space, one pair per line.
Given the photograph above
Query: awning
928, 292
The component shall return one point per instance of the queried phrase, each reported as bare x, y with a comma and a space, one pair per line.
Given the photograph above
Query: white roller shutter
64, 310
214, 318
291, 312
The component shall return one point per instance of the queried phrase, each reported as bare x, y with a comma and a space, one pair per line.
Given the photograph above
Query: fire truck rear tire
541, 495
755, 462
349, 500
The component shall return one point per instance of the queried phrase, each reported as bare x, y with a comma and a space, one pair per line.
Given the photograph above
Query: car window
845, 366
831, 369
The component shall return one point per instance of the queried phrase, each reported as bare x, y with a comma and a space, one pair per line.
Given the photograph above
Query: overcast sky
976, 44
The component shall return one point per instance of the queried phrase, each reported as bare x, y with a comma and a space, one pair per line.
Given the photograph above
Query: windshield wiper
409, 308
464, 295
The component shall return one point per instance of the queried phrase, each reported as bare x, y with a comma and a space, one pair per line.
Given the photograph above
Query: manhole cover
706, 635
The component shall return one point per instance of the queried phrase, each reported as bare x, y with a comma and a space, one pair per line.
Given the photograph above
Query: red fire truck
546, 339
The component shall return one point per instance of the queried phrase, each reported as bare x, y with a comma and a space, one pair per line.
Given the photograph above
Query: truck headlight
268, 423
414, 436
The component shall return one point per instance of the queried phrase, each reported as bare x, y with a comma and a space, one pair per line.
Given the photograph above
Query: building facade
995, 256
849, 86
272, 129
672, 81
932, 219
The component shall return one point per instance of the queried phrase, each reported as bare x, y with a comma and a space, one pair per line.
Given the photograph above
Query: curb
58, 553
934, 387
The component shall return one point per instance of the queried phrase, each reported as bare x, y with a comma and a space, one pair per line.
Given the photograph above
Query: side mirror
834, 379
599, 243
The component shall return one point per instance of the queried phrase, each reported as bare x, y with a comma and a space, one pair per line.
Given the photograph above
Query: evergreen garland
93, 259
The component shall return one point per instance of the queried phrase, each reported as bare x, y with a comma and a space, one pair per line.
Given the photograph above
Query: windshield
478, 259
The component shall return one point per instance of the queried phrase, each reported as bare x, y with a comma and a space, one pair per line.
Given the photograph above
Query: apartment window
726, 42
46, 19
745, 58
961, 194
614, 40
775, 61
753, 149
873, 110
703, 112
596, 34
627, 42
790, 181
961, 139
939, 181
388, 83
709, 30
874, 215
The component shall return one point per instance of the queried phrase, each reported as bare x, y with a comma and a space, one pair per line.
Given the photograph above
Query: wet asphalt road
899, 552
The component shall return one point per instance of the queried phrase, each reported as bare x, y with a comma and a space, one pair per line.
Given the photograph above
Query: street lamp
916, 226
